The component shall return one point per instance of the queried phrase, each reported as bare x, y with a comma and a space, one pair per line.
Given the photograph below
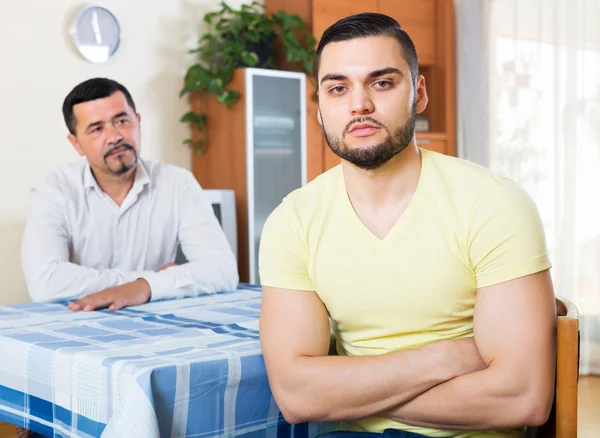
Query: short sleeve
282, 251
506, 236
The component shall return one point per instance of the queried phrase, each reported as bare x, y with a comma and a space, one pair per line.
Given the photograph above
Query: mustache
120, 145
365, 119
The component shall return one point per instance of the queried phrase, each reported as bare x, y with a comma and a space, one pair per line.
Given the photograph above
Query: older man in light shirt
104, 231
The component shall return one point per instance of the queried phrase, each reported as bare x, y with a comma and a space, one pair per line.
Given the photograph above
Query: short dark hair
92, 89
369, 24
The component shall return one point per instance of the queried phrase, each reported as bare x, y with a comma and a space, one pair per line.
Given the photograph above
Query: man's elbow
233, 277
37, 292
536, 407
527, 408
229, 279
36, 296
227, 265
296, 407
44, 288
293, 409
291, 416
40, 294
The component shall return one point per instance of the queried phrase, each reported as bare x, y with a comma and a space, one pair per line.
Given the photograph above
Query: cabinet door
276, 147
327, 12
417, 18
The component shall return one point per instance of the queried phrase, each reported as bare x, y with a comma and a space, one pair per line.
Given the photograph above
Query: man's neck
391, 183
115, 186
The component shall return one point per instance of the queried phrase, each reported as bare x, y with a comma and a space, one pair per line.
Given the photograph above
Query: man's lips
117, 151
363, 130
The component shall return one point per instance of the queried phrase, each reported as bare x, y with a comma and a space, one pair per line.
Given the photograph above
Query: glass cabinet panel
276, 156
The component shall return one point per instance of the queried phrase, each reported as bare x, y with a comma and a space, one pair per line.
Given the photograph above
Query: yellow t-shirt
464, 228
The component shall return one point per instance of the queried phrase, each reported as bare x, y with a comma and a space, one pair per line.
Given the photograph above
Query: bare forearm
515, 328
346, 388
484, 400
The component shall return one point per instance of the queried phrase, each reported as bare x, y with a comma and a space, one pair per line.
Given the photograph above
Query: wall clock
96, 32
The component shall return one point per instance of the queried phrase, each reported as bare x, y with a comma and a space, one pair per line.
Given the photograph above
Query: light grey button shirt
79, 241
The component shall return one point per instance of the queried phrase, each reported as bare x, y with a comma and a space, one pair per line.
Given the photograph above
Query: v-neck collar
404, 218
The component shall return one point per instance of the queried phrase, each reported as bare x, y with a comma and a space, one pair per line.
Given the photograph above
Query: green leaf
209, 16
250, 59
198, 146
215, 86
307, 67
226, 7
228, 97
197, 77
295, 55
226, 75
188, 117
253, 36
191, 117
293, 21
207, 38
235, 32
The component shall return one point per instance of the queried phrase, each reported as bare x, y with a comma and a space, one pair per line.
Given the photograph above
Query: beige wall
39, 66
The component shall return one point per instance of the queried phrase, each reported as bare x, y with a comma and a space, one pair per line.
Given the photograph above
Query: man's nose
114, 134
361, 102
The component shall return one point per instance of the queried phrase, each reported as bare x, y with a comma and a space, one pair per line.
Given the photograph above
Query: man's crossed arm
506, 381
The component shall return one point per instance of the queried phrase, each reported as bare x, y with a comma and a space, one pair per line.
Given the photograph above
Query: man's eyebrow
383, 72
333, 77
93, 125
373, 74
100, 122
124, 113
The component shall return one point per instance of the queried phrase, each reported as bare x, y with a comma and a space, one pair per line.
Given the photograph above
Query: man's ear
421, 95
319, 117
76, 144
139, 117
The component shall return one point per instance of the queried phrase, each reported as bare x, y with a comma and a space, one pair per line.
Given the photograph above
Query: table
180, 368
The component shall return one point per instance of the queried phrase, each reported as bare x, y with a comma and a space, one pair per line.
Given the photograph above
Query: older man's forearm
205, 275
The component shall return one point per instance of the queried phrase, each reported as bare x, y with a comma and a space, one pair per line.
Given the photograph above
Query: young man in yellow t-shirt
433, 271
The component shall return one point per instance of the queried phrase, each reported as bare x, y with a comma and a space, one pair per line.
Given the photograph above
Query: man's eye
337, 90
383, 84
122, 121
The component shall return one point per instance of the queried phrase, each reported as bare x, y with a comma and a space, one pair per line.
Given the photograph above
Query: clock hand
96, 27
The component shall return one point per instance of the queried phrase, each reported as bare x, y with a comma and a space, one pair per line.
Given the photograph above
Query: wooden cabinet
433, 141
327, 12
417, 18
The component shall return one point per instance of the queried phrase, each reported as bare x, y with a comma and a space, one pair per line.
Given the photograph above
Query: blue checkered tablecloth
180, 368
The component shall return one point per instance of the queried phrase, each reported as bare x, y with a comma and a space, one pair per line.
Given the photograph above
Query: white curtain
535, 70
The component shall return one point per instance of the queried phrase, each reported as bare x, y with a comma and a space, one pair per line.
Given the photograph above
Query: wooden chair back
562, 422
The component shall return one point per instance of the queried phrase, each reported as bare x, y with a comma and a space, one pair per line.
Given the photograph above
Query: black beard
122, 167
377, 155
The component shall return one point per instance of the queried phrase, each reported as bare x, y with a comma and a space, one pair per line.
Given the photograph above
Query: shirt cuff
161, 283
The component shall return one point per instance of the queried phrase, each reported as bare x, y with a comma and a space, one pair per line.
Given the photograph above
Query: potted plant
241, 38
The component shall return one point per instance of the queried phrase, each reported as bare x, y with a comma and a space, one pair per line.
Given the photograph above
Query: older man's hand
130, 294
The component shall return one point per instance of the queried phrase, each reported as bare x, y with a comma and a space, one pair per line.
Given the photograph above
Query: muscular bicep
515, 331
293, 324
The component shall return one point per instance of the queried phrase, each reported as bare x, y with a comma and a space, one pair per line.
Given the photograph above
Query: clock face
97, 33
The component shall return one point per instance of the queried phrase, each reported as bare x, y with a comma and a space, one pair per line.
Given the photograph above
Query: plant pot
263, 49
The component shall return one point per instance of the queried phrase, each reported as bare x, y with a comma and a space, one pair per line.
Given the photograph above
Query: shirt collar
142, 177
